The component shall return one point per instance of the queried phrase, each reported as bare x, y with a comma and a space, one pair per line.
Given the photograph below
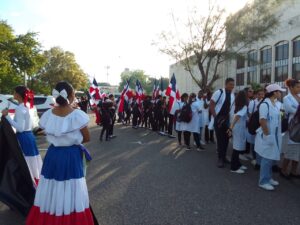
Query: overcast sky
114, 33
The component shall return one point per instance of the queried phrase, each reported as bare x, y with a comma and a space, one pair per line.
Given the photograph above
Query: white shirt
22, 120
64, 131
221, 101
193, 126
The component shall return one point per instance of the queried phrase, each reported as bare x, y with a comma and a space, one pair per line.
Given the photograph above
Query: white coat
269, 146
193, 125
239, 130
178, 106
201, 118
206, 114
252, 107
290, 105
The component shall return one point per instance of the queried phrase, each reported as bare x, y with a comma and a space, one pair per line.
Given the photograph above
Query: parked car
43, 103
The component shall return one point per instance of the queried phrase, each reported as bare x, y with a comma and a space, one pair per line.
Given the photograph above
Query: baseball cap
274, 87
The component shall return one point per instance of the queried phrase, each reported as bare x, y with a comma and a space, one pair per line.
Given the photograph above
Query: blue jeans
265, 171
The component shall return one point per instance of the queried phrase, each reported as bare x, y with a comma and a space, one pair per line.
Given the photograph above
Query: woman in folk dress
62, 195
23, 124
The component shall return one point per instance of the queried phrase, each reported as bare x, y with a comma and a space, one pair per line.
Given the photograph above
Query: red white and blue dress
62, 195
23, 124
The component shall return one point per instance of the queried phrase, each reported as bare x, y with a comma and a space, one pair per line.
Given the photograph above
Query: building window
252, 70
240, 70
239, 79
281, 63
296, 71
265, 65
296, 47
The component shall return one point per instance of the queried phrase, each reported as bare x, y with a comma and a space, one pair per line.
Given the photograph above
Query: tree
214, 38
61, 65
20, 55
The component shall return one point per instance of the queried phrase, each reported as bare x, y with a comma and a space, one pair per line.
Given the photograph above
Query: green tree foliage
61, 65
146, 81
20, 55
215, 38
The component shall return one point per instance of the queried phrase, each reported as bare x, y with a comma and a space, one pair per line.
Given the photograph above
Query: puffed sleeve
263, 111
242, 112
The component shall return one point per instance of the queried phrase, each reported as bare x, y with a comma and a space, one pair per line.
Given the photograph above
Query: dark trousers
111, 128
186, 137
179, 133
222, 142
209, 135
171, 122
105, 129
235, 160
161, 123
136, 119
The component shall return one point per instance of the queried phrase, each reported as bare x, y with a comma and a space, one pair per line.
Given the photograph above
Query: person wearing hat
268, 138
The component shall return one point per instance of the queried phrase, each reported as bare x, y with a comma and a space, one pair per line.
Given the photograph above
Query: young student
209, 133
179, 105
291, 104
238, 130
221, 109
268, 139
192, 127
62, 194
23, 124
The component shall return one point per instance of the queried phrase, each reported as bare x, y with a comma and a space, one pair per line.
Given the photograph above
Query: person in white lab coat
268, 138
291, 103
193, 125
201, 112
179, 105
238, 131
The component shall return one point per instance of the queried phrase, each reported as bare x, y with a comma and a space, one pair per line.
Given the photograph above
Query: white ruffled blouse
64, 131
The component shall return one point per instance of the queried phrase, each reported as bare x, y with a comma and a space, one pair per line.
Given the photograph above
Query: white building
270, 61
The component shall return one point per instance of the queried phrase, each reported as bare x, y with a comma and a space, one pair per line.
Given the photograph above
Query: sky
114, 34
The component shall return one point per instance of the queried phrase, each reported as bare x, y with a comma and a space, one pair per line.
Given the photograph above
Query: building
272, 60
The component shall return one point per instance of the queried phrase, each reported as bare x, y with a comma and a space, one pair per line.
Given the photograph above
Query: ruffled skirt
32, 156
62, 195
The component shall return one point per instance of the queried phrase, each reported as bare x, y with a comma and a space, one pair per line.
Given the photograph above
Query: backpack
253, 123
186, 113
294, 127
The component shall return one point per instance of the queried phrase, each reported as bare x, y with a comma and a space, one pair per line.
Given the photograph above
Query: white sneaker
200, 150
239, 171
243, 167
267, 187
244, 158
202, 142
274, 182
253, 162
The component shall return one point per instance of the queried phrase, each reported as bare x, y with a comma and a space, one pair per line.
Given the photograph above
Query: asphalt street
141, 178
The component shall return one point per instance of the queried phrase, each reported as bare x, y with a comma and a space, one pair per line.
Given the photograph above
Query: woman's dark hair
290, 83
184, 96
61, 86
21, 90
240, 101
269, 95
192, 96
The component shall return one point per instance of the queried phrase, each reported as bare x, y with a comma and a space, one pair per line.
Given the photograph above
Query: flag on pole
126, 95
173, 94
156, 90
139, 93
94, 92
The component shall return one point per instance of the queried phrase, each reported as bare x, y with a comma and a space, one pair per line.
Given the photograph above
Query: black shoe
220, 163
201, 147
257, 167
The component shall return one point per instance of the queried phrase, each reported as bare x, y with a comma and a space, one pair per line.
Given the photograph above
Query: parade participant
106, 119
201, 116
62, 194
136, 114
192, 127
179, 105
147, 111
158, 115
238, 131
221, 109
112, 111
291, 149
127, 109
23, 124
209, 134
83, 104
268, 139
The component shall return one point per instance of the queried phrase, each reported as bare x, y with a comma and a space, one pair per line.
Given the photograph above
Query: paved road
143, 178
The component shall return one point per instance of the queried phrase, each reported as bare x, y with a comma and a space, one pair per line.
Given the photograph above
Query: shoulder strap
221, 90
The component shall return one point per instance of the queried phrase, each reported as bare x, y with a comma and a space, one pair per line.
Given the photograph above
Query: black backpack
253, 123
186, 113
294, 127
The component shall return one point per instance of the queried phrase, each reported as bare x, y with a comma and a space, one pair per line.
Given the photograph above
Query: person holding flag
95, 97
137, 105
174, 96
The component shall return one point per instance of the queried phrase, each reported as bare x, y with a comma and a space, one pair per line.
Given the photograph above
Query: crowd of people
256, 122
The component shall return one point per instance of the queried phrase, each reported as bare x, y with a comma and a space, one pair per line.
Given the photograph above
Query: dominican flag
173, 94
139, 93
156, 90
94, 90
126, 95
